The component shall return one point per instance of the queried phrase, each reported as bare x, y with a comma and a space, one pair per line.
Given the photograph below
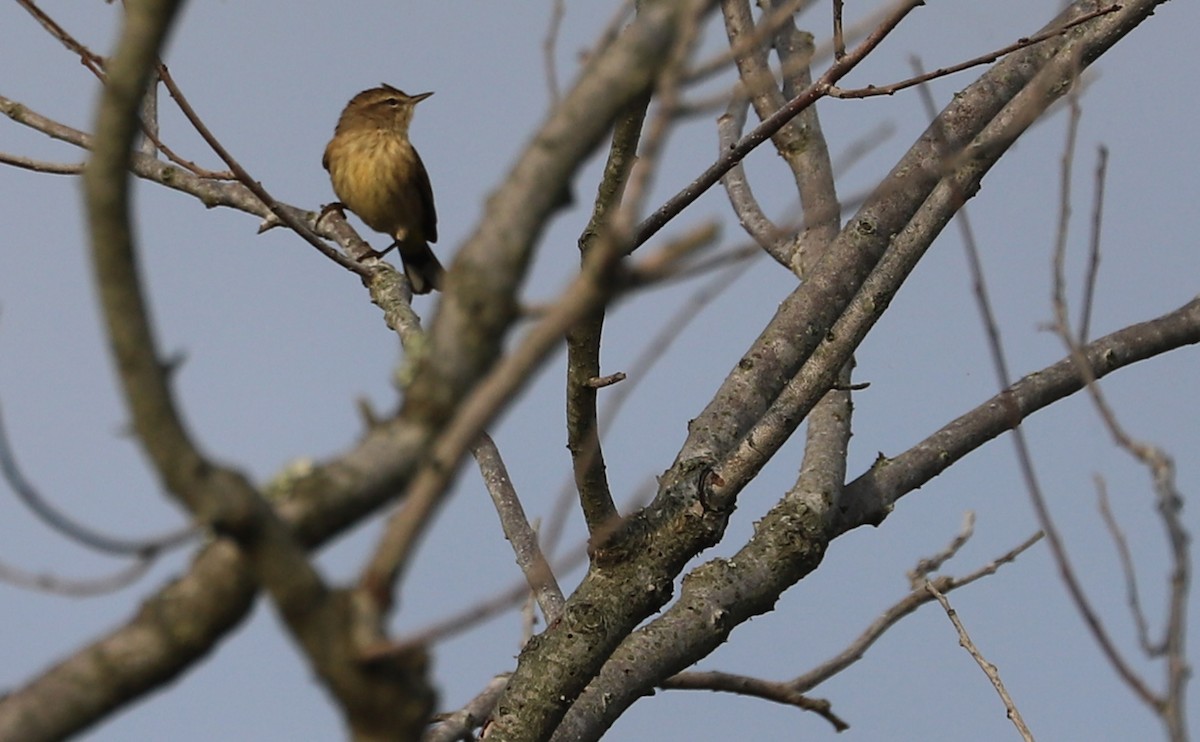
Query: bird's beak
421, 97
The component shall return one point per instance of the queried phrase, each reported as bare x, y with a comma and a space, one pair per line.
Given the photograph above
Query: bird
377, 174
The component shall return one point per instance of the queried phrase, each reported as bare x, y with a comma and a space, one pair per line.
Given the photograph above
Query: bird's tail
422, 268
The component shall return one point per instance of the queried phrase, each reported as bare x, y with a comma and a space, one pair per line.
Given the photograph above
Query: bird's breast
373, 174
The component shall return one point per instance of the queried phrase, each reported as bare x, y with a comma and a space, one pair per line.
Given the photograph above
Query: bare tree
629, 625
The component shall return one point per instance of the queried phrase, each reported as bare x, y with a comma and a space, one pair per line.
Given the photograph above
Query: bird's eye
393, 102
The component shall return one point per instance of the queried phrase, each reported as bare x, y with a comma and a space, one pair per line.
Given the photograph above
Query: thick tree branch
989, 116
805, 149
795, 360
329, 498
216, 495
870, 498
183, 622
449, 392
480, 301
326, 499
143, 375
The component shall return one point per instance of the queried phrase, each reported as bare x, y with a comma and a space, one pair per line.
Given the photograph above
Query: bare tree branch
146, 549
41, 166
77, 588
607, 647
1169, 705
1093, 272
517, 529
919, 596
750, 215
215, 494
1126, 558
767, 690
993, 675
694, 497
461, 724
583, 338
924, 77
870, 498
759, 134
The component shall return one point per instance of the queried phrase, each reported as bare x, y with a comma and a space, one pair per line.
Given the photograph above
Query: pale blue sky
280, 342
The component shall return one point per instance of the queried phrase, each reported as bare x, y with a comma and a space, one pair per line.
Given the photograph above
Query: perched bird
378, 175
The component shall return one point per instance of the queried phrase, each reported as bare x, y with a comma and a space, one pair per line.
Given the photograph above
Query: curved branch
76, 587
143, 374
146, 653
387, 699
324, 501
737, 188
68, 526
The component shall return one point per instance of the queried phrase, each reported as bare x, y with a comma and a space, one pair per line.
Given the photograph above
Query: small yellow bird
378, 175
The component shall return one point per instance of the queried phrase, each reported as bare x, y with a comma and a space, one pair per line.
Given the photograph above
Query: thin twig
41, 166
1024, 457
283, 214
919, 575
95, 64
1067, 161
1126, 558
558, 9
1169, 705
924, 77
1093, 269
76, 588
993, 674
917, 597
64, 524
791, 691
677, 203
744, 685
